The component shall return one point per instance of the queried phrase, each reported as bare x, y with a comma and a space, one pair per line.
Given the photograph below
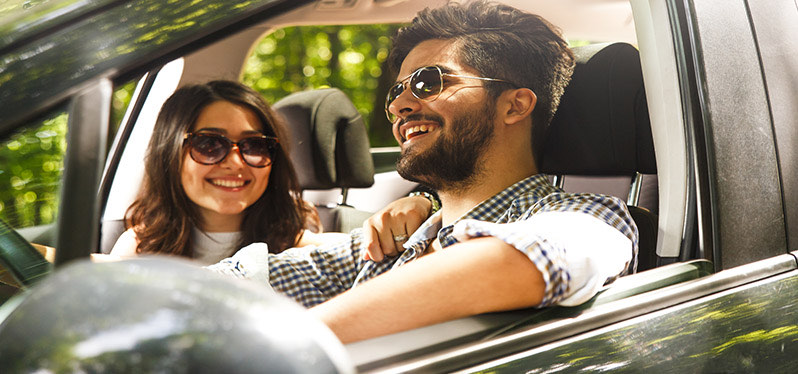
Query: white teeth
422, 128
227, 183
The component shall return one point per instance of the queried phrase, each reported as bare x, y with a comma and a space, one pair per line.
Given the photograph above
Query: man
477, 86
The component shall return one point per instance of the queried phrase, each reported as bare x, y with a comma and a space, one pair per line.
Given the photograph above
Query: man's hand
387, 230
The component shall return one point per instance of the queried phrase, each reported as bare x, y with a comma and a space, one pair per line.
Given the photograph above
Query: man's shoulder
557, 200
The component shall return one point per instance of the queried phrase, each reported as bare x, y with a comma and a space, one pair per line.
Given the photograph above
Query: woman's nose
234, 158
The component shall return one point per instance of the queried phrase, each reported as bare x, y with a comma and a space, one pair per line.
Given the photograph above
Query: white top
209, 247
212, 247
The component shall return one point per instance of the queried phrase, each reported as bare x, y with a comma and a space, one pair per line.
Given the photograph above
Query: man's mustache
422, 117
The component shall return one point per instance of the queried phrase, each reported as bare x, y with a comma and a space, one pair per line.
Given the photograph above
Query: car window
32, 159
121, 99
31, 164
351, 58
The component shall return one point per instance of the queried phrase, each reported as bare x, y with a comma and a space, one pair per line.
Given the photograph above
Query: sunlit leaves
32, 165
312, 57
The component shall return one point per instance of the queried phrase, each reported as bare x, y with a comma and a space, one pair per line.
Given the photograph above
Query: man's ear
519, 104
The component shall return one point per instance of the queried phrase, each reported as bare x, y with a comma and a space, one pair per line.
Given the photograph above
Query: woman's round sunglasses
209, 149
426, 83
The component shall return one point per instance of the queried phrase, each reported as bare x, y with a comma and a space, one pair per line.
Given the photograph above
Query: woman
217, 178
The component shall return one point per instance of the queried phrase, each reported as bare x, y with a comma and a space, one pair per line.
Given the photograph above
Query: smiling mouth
414, 131
228, 183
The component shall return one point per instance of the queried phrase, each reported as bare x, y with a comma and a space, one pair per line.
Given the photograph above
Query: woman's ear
519, 104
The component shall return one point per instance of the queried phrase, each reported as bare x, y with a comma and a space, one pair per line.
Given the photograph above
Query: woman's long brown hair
163, 216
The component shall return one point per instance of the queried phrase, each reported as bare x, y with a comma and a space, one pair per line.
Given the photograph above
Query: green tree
351, 58
32, 164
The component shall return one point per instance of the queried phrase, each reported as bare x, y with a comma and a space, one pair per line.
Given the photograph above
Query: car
707, 109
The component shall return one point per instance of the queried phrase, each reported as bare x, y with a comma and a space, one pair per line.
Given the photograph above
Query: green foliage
120, 101
351, 58
32, 161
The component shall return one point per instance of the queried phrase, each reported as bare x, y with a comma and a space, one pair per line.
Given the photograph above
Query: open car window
33, 159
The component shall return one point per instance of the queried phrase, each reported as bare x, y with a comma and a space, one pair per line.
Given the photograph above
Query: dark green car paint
742, 330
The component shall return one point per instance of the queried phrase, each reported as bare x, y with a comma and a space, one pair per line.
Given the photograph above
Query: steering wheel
21, 259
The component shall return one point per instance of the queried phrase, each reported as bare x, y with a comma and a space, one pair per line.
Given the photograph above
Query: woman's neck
216, 222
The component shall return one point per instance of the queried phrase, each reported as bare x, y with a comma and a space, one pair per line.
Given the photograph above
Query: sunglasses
426, 84
209, 149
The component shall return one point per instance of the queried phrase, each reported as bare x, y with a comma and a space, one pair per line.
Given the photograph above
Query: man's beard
453, 162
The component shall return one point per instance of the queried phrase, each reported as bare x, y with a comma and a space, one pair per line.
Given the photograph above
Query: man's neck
507, 160
456, 203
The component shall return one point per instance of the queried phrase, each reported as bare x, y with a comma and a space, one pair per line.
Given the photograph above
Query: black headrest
328, 143
602, 125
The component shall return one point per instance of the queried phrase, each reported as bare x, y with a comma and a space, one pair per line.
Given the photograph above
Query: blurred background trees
32, 161
351, 58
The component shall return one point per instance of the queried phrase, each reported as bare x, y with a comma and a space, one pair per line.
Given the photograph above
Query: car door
736, 85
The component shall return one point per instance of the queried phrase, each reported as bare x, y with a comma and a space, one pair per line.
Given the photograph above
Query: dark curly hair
501, 42
162, 216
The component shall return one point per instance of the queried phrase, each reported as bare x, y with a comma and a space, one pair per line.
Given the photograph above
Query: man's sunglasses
209, 149
425, 84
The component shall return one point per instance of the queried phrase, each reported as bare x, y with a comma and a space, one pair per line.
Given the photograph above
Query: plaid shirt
314, 274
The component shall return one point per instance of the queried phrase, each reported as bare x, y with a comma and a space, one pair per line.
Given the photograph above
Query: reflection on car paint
58, 63
745, 330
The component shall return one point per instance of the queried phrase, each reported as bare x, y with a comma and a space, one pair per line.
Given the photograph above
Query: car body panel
26, 19
742, 330
407, 350
772, 21
480, 355
109, 43
739, 135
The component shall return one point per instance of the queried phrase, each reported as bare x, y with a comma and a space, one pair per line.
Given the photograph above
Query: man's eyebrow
446, 69
405, 77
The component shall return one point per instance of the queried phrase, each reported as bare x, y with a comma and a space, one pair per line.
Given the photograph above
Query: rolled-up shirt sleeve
576, 253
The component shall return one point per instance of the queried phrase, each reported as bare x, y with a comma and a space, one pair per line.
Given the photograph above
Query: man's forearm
477, 276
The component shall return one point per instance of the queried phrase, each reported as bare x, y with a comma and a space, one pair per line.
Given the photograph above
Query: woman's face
222, 191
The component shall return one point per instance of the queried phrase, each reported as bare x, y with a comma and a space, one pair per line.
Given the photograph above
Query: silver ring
400, 237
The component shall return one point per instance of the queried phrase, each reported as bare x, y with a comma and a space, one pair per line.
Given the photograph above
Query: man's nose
404, 104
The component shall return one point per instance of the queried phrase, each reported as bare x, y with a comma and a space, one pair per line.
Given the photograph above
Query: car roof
115, 41
22, 21
51, 49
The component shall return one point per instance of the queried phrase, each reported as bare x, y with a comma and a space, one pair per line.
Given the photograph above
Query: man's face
443, 138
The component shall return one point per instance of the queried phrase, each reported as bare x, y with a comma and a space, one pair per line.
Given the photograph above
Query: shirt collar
489, 210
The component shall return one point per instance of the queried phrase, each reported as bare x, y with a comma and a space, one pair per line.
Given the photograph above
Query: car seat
602, 129
329, 149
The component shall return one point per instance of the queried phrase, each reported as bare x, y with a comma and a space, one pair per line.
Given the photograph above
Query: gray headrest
602, 125
328, 143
